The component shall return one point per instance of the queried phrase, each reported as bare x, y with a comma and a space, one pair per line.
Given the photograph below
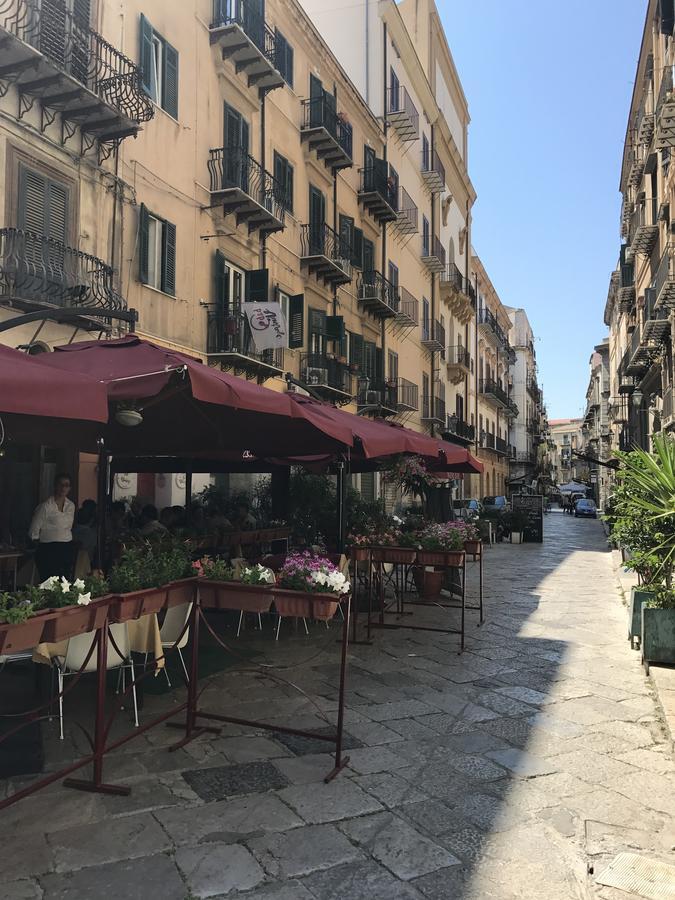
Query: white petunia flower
49, 584
65, 585
78, 584
84, 599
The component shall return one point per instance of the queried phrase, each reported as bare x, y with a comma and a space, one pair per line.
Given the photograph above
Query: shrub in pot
220, 588
149, 578
638, 596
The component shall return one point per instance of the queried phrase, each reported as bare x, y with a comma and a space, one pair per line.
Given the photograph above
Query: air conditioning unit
372, 397
314, 376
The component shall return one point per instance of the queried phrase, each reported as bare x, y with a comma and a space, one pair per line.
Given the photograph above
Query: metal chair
173, 628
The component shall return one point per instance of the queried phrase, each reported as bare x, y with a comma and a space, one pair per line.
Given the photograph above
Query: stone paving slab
303, 851
138, 879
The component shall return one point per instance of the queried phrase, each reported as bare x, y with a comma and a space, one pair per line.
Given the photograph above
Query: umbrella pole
102, 502
341, 506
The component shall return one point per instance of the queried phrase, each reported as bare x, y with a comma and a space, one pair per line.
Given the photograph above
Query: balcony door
42, 271
317, 219
316, 94
235, 149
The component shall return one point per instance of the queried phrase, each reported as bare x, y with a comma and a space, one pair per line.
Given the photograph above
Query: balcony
639, 357
490, 389
643, 231
433, 171
665, 112
70, 69
488, 325
408, 215
667, 408
379, 399
487, 441
327, 132
245, 38
533, 388
458, 431
323, 254
644, 120
626, 381
458, 292
229, 342
635, 159
242, 187
664, 281
433, 336
40, 274
408, 315
327, 377
378, 192
458, 361
656, 325
502, 447
433, 255
402, 113
433, 409
625, 292
378, 295
407, 397
524, 457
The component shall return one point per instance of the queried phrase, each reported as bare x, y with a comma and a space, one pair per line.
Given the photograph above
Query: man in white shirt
52, 527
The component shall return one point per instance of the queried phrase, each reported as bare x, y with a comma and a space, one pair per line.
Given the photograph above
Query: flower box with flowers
309, 587
441, 545
149, 579
219, 589
51, 612
361, 545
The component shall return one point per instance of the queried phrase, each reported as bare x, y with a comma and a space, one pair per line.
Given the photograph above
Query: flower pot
136, 604
358, 553
304, 605
473, 548
516, 537
428, 581
70, 621
180, 592
658, 636
396, 555
445, 558
23, 635
638, 596
235, 595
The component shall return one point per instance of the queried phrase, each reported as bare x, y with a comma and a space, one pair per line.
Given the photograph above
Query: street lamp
452, 422
636, 398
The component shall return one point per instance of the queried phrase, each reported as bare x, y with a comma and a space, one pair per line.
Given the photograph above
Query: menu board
532, 505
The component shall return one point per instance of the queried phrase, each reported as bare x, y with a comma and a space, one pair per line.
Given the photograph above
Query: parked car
585, 508
495, 504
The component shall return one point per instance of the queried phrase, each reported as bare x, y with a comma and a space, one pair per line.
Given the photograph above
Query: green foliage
312, 508
149, 566
213, 567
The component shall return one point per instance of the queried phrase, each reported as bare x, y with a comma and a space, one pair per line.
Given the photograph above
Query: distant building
565, 439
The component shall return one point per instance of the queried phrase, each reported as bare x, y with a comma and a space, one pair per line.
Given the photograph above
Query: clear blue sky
549, 88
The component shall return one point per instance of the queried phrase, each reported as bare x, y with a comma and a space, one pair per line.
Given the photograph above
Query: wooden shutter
296, 321
357, 249
222, 281
146, 54
335, 328
346, 231
143, 244
57, 212
257, 285
169, 258
667, 15
170, 80
379, 365
288, 73
356, 350
32, 201
368, 255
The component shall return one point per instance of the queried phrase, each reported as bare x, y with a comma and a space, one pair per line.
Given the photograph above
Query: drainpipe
432, 229
385, 157
368, 52
475, 374
335, 220
263, 239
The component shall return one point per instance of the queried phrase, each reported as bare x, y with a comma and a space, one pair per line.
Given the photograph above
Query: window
157, 257
425, 153
393, 274
392, 365
283, 173
426, 330
159, 69
317, 331
425, 236
368, 255
355, 350
43, 205
346, 231
284, 57
393, 91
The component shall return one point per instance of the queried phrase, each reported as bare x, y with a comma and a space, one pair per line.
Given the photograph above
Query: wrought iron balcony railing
408, 214
402, 113
229, 336
259, 56
69, 51
408, 309
459, 356
490, 388
643, 229
327, 131
433, 255
242, 186
326, 376
382, 396
378, 191
664, 281
489, 322
665, 111
408, 396
380, 296
502, 446
324, 253
433, 170
460, 429
433, 335
38, 272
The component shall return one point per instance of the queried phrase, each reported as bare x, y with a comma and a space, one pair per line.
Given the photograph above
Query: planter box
136, 604
658, 636
637, 598
396, 555
358, 554
516, 537
473, 548
235, 595
23, 636
303, 605
446, 558
428, 582
70, 621
180, 592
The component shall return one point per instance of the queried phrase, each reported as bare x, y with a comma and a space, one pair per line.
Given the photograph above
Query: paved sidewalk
512, 771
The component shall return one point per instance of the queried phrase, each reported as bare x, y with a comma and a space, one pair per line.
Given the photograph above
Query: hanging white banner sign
268, 325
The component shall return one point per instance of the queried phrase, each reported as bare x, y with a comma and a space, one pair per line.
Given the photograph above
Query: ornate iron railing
490, 386
228, 331
461, 429
408, 214
50, 27
458, 356
486, 317
319, 370
431, 164
402, 110
409, 306
319, 112
374, 179
380, 393
232, 167
434, 250
319, 239
245, 15
408, 394
37, 270
374, 286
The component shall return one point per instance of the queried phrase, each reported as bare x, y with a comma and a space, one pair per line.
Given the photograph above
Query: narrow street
502, 773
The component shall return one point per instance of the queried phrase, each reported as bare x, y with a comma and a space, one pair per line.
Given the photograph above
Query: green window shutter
170, 81
288, 74
356, 350
143, 244
169, 258
146, 53
335, 328
32, 201
357, 248
317, 322
257, 285
57, 212
379, 364
222, 281
296, 321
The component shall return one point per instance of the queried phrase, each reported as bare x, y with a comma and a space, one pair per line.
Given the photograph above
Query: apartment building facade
596, 427
565, 440
641, 292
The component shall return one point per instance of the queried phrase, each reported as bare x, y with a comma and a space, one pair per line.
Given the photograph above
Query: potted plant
361, 541
309, 586
472, 539
150, 578
219, 587
438, 547
658, 628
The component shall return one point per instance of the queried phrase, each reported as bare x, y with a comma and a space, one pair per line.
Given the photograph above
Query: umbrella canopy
188, 407
26, 390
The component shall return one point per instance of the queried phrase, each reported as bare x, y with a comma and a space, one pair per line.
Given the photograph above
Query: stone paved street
513, 771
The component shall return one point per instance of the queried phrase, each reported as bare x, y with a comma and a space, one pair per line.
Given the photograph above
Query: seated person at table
150, 524
52, 526
84, 529
243, 520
